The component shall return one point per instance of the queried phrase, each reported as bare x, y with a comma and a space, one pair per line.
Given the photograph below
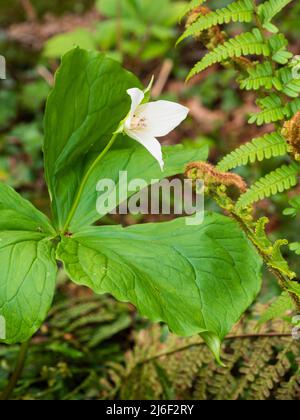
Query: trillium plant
98, 121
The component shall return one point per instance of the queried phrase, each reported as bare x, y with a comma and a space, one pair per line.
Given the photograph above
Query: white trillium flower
147, 121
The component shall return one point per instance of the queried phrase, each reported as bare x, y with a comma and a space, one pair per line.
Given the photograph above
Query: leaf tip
214, 344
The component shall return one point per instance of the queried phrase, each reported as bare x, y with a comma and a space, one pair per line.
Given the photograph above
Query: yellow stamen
138, 123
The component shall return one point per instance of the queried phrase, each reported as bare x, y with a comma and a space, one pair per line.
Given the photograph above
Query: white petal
137, 96
150, 143
162, 116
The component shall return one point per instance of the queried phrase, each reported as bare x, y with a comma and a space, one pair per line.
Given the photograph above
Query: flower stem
85, 180
17, 372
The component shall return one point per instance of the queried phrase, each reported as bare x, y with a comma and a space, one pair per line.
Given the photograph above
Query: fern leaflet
260, 148
280, 180
278, 44
239, 11
261, 75
292, 108
272, 110
290, 85
268, 10
244, 44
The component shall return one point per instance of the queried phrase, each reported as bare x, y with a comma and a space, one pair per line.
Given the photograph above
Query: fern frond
261, 351
278, 308
260, 148
239, 11
253, 366
223, 384
260, 76
276, 182
244, 44
272, 110
268, 10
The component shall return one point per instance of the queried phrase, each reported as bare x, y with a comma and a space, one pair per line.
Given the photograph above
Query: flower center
138, 122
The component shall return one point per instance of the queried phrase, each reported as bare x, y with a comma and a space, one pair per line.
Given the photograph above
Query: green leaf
28, 273
16, 213
87, 104
214, 344
197, 279
139, 164
60, 44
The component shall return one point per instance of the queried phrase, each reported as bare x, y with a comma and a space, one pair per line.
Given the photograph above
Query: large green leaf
27, 282
87, 104
138, 163
16, 213
197, 279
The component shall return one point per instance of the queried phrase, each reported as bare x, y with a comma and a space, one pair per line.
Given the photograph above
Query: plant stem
249, 231
282, 279
17, 372
85, 180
